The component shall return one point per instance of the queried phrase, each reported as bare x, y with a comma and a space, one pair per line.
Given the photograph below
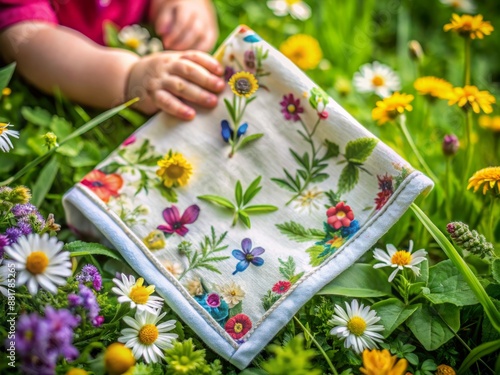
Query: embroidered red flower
340, 216
103, 185
386, 186
238, 326
281, 287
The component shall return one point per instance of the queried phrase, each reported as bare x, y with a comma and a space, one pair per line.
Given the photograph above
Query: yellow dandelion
303, 50
445, 370
6, 91
488, 177
174, 170
243, 84
118, 359
433, 86
389, 108
380, 362
490, 122
470, 97
469, 26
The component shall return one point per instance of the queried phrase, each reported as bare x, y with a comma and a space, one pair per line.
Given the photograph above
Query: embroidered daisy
232, 294
128, 290
357, 326
399, 259
310, 200
135, 37
295, 8
175, 268
5, 142
40, 262
146, 337
377, 78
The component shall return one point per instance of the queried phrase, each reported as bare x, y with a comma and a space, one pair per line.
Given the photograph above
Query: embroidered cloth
240, 216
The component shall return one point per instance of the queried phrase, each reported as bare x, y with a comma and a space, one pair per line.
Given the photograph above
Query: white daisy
4, 274
399, 259
175, 268
309, 200
138, 295
295, 8
5, 142
135, 37
466, 6
145, 337
232, 293
357, 326
377, 78
39, 261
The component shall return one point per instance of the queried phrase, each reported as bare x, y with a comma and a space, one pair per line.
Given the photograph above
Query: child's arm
185, 24
52, 56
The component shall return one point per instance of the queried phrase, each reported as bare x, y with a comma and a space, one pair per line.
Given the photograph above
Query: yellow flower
155, 240
389, 108
433, 86
303, 50
118, 359
380, 362
490, 122
6, 91
488, 176
174, 170
469, 26
445, 370
243, 84
470, 97
76, 371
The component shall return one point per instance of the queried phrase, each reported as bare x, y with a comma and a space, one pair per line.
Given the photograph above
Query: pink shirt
86, 16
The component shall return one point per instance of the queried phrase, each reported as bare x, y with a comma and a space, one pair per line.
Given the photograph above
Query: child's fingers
188, 39
186, 90
198, 75
205, 60
164, 22
180, 26
170, 104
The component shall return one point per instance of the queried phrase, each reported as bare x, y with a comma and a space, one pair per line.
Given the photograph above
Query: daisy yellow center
291, 108
37, 262
140, 294
3, 127
401, 258
378, 81
291, 2
133, 43
148, 334
356, 325
233, 293
238, 327
174, 171
340, 215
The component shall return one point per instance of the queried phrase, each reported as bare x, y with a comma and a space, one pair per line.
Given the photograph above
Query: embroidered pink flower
238, 326
213, 300
290, 107
129, 140
340, 216
103, 185
175, 222
281, 287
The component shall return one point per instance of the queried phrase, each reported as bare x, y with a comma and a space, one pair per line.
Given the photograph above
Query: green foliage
182, 358
296, 232
80, 248
291, 359
393, 313
6, 74
356, 153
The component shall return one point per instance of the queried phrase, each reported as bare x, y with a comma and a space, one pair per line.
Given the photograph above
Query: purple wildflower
87, 300
98, 321
290, 107
24, 227
20, 210
13, 234
61, 324
247, 256
90, 274
4, 241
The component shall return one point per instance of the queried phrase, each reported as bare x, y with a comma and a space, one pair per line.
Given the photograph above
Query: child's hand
187, 24
162, 78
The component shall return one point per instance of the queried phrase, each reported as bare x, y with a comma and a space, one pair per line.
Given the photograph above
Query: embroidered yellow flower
380, 362
303, 50
433, 86
470, 97
174, 170
469, 26
155, 240
243, 84
488, 178
390, 108
490, 122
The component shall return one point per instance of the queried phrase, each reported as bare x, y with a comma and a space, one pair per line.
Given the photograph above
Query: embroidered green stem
409, 139
307, 332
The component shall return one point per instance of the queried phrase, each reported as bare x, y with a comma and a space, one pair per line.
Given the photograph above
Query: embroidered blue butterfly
227, 132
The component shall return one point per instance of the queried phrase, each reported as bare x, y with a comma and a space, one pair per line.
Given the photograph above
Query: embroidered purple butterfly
175, 222
247, 256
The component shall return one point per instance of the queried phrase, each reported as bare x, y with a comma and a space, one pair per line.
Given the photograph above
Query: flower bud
50, 140
450, 144
415, 50
469, 240
20, 195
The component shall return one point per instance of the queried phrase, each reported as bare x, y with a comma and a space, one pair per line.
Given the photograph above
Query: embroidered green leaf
287, 268
238, 309
260, 208
243, 216
296, 277
319, 177
168, 193
217, 200
230, 109
314, 252
252, 190
238, 193
332, 150
298, 159
284, 184
298, 233
248, 139
360, 149
348, 178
